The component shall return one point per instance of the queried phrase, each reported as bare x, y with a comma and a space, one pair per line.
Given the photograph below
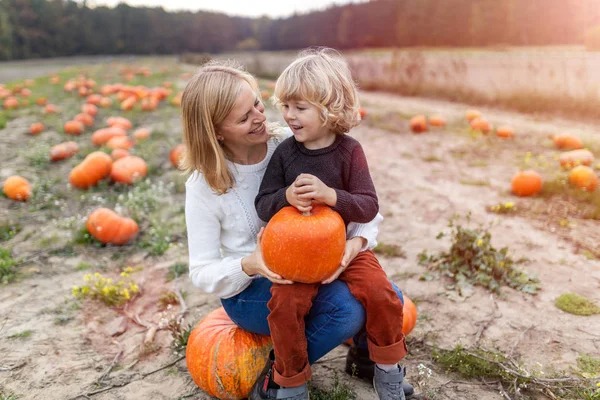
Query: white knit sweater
222, 229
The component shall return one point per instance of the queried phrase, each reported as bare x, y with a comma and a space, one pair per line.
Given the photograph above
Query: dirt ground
422, 181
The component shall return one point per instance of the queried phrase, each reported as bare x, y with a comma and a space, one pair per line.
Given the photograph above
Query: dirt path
422, 180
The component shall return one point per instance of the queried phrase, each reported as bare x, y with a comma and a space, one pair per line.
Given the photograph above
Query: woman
228, 146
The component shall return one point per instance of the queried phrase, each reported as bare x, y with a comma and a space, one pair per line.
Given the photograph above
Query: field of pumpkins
95, 300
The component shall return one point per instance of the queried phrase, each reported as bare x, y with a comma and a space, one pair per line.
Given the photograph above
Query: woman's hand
352, 249
254, 264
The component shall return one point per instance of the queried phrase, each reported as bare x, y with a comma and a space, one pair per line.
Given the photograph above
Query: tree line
50, 28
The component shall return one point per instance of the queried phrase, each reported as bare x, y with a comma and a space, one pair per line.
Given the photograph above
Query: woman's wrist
247, 263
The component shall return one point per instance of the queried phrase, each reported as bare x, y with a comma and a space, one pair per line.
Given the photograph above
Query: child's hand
292, 197
310, 188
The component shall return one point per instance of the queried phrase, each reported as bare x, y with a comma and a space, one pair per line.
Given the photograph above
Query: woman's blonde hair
321, 76
207, 100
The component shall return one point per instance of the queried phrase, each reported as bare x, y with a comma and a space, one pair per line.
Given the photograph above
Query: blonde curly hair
321, 77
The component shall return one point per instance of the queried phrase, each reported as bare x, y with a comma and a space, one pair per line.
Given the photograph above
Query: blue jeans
334, 317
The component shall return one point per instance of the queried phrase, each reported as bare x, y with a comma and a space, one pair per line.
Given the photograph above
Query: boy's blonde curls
321, 76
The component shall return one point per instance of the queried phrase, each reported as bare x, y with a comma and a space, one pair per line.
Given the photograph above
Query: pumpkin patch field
491, 227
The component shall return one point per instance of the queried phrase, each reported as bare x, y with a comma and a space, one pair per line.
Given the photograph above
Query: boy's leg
368, 282
288, 306
335, 316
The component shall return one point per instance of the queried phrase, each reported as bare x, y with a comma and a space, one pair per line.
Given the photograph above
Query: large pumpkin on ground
110, 228
128, 169
95, 166
573, 158
526, 183
63, 150
418, 124
304, 248
584, 178
17, 188
223, 359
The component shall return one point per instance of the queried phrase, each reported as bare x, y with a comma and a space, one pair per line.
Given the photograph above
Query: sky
245, 8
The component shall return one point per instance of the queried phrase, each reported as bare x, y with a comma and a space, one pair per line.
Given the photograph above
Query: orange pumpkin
94, 99
437, 120
93, 168
526, 183
120, 142
128, 103
573, 158
584, 178
50, 109
567, 141
120, 122
25, 92
105, 102
505, 132
110, 228
41, 101
63, 150
119, 153
265, 94
11, 102
304, 248
74, 127
128, 169
363, 113
141, 134
176, 155
470, 115
17, 188
480, 124
85, 119
89, 109
418, 124
223, 359
101, 136
36, 128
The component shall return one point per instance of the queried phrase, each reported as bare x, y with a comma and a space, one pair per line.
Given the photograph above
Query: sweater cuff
235, 273
342, 203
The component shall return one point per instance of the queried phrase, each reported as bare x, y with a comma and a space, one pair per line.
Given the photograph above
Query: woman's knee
398, 292
341, 307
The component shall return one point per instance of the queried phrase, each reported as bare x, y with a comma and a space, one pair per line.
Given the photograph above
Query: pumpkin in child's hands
223, 359
304, 248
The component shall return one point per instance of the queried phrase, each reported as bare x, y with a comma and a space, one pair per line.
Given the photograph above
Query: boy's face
305, 121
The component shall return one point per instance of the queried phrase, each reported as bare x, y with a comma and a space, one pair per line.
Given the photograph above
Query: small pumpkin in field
418, 124
96, 166
11, 103
85, 119
223, 359
102, 136
573, 158
36, 128
105, 102
120, 142
584, 178
90, 109
50, 109
93, 99
141, 134
41, 101
120, 122
128, 103
470, 115
567, 141
128, 169
110, 228
17, 188
176, 154
363, 113
526, 183
505, 132
119, 153
437, 120
480, 124
74, 127
265, 94
292, 241
63, 150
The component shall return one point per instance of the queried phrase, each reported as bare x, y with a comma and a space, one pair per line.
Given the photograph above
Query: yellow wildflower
124, 274
479, 242
134, 288
85, 290
126, 294
105, 290
97, 275
510, 204
87, 277
75, 290
129, 270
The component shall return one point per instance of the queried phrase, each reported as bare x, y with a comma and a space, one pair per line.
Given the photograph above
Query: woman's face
244, 127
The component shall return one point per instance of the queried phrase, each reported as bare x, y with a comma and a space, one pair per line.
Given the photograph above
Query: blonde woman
228, 146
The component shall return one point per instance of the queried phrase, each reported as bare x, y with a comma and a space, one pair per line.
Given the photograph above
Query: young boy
322, 164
